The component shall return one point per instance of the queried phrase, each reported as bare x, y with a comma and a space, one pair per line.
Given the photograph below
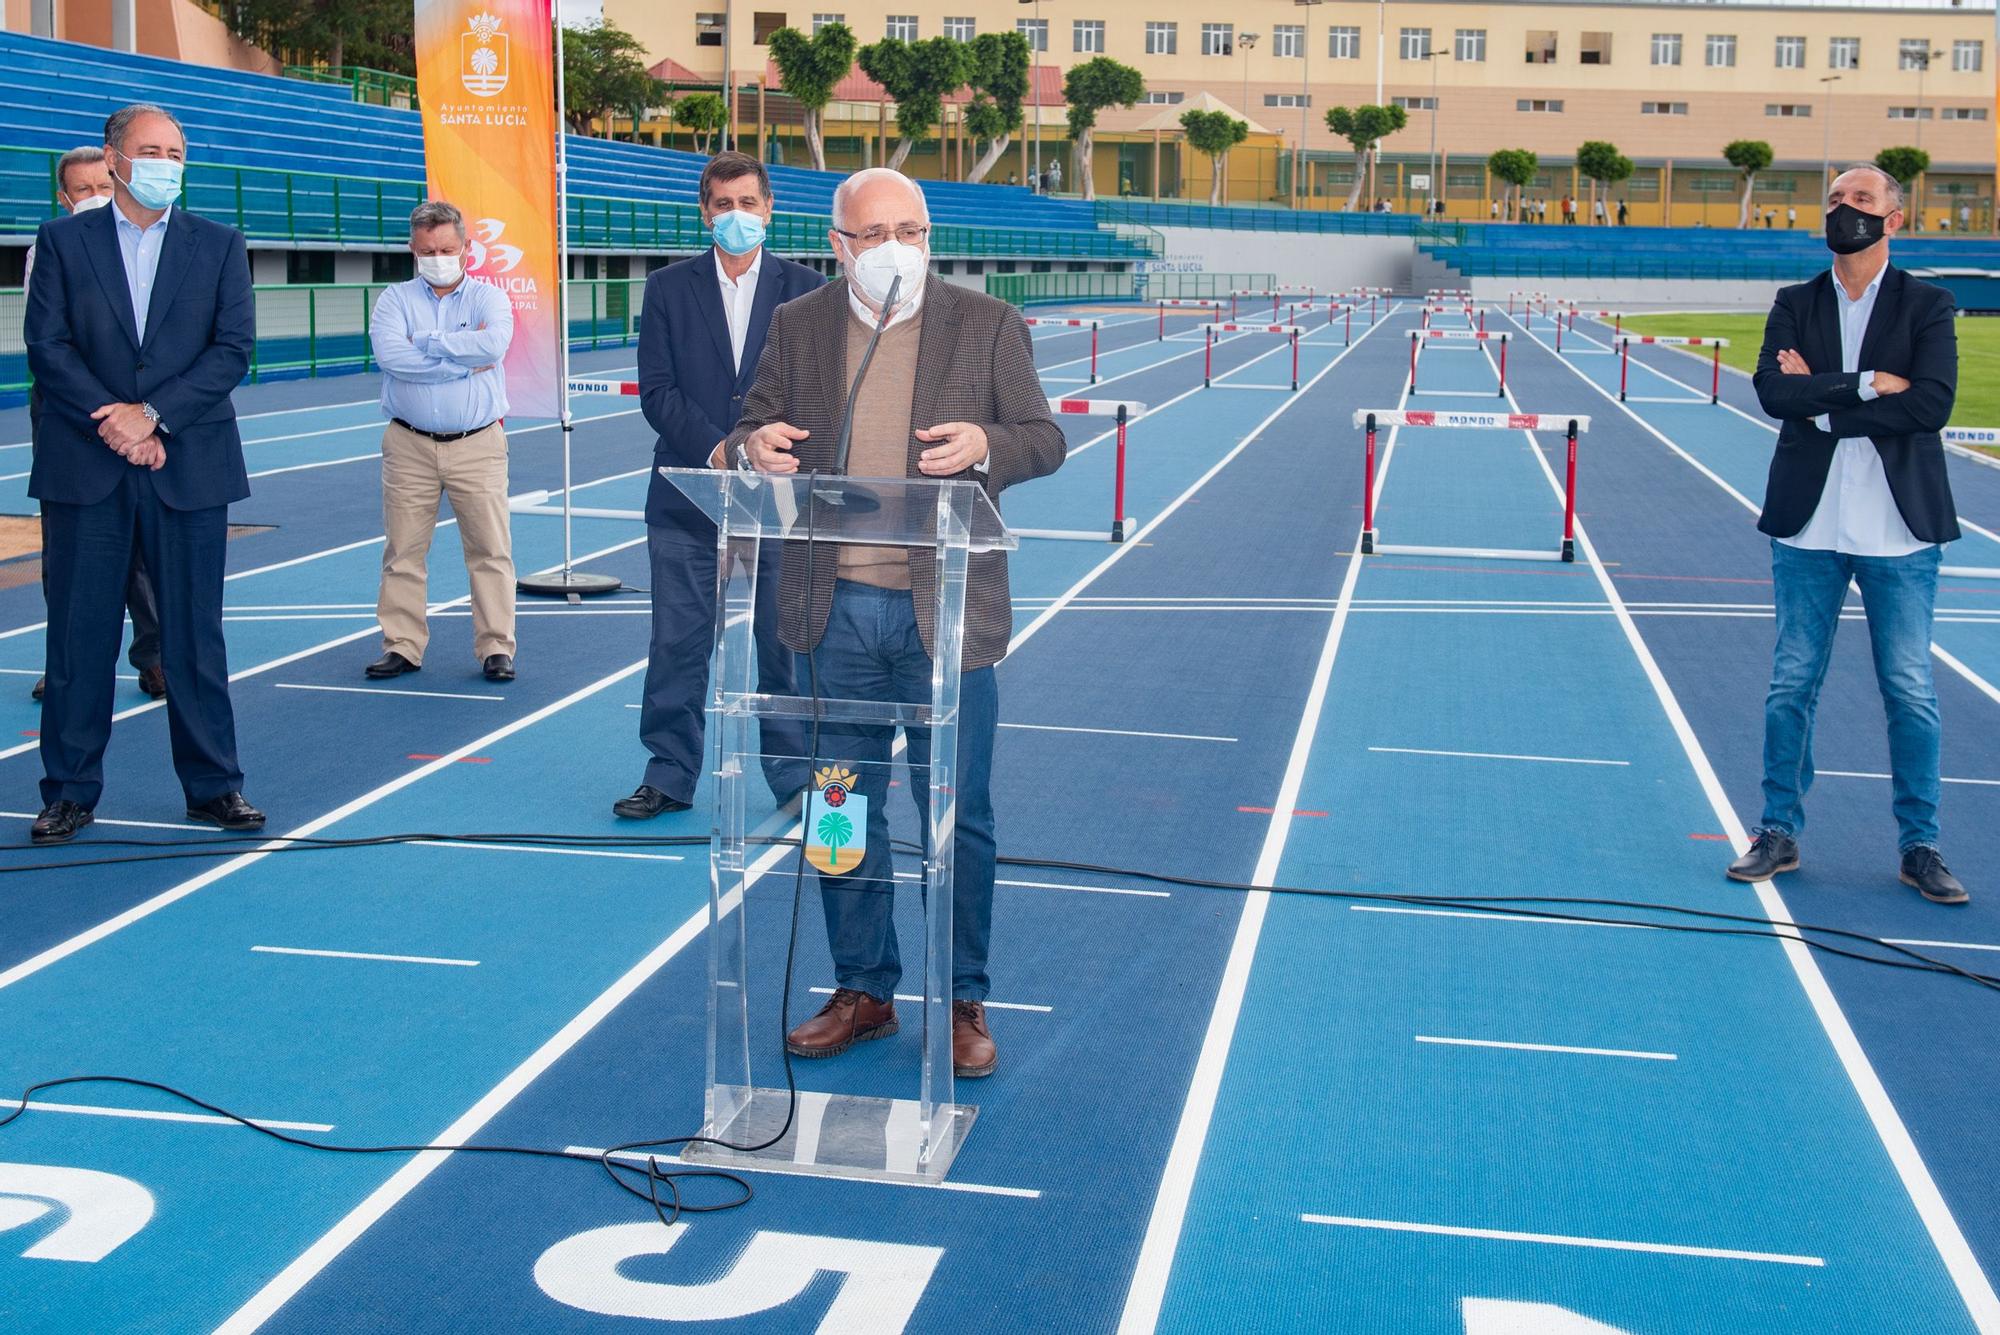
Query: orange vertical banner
486, 82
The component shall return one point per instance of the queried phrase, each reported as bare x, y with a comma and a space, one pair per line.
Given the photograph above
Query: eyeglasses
910, 234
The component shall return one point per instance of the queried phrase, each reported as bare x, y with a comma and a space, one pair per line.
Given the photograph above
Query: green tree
604, 70
999, 82
810, 68
1601, 163
374, 33
1214, 133
836, 832
703, 114
1904, 164
1089, 88
1364, 127
1748, 156
917, 75
1513, 167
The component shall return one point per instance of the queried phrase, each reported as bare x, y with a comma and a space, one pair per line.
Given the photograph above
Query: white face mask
441, 270
89, 202
873, 270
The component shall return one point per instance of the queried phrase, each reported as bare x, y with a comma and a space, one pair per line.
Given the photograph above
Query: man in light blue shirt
440, 339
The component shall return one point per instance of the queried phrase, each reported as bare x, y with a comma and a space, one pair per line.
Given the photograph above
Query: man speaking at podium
951, 392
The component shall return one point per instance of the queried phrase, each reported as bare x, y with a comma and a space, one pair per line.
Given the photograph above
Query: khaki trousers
472, 473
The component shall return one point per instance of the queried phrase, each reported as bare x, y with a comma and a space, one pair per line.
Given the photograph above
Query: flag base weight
569, 583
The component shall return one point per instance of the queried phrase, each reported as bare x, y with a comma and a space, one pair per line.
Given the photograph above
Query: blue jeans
1900, 595
871, 651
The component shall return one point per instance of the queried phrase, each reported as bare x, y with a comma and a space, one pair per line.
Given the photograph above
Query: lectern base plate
837, 1135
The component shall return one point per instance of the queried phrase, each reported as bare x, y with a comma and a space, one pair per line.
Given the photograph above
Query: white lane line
1493, 755
152, 1115
990, 1005
385, 690
975, 1188
1089, 889
320, 463
537, 848
377, 454
1491, 917
106, 820
1562, 1240
1939, 945
1953, 1250
1120, 732
1547, 1047
1862, 774
364, 955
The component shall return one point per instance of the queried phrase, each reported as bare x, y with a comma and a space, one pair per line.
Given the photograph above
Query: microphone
840, 449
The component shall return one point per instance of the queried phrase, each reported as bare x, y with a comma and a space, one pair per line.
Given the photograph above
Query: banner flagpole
570, 583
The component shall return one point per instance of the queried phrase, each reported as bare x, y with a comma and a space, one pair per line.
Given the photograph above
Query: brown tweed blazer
975, 363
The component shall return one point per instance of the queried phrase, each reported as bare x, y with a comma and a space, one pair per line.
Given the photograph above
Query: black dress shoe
647, 803
229, 811
59, 822
41, 684
1769, 854
499, 667
392, 664
1925, 870
153, 681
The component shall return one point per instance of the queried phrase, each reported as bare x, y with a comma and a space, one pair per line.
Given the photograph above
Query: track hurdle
1126, 411
1294, 332
1092, 325
1625, 363
1571, 425
1475, 337
1964, 437
1214, 308
1617, 319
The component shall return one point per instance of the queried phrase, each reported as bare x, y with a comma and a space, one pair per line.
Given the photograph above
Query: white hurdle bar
1214, 308
1231, 327
1964, 436
1091, 325
1126, 411
1571, 425
1625, 358
1420, 336
603, 386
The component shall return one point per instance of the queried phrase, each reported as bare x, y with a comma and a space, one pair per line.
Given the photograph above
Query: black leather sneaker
1769, 854
1925, 871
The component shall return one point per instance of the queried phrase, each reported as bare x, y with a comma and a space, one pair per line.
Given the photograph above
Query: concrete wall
1324, 260
1634, 294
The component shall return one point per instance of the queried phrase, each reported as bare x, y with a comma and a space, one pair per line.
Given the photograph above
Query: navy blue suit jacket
689, 389
1910, 333
85, 352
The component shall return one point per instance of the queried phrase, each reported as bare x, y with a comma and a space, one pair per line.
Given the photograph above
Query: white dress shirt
739, 295
140, 249
1857, 513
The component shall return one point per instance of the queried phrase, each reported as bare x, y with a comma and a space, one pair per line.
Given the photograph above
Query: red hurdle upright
1371, 420
1673, 341
1092, 325
1125, 411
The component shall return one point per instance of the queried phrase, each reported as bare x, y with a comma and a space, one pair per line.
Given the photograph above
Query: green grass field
1978, 355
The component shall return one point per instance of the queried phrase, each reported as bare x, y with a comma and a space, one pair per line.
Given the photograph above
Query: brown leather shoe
972, 1051
849, 1017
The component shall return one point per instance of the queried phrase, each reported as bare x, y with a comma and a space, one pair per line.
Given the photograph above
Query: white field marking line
1862, 774
1492, 755
976, 1188
1155, 1262
384, 690
1562, 1240
1120, 732
147, 908
1329, 603
375, 402
1547, 1047
1940, 945
625, 854
1492, 917
990, 1005
322, 463
105, 820
1979, 683
150, 1115
1953, 1250
1088, 889
377, 454
1145, 530
1122, 375
365, 955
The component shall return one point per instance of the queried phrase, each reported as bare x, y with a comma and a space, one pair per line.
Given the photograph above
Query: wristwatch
152, 414
743, 458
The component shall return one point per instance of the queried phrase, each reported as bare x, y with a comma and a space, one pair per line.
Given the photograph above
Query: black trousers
140, 604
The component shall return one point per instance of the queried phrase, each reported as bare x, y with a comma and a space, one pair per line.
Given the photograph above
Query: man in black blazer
1861, 367
140, 323
701, 333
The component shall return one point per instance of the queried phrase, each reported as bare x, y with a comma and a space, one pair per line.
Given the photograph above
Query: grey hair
437, 213
846, 189
119, 121
1895, 187
76, 157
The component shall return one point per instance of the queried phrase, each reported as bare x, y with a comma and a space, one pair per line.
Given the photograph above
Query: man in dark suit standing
701, 334
1861, 367
140, 323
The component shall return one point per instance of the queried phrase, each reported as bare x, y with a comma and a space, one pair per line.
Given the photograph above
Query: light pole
1381, 37
1923, 68
1035, 86
1826, 137
1248, 42
1300, 165
1430, 195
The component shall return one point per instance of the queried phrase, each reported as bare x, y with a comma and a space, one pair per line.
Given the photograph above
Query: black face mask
1848, 229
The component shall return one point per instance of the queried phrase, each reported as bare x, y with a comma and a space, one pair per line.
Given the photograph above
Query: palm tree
836, 832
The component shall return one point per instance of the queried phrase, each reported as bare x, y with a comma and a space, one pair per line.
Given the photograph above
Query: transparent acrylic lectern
855, 1116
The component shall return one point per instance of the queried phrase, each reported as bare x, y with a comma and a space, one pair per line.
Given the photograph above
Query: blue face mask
155, 182
738, 232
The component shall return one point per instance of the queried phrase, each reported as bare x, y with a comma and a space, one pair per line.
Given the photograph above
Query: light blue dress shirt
140, 248
431, 349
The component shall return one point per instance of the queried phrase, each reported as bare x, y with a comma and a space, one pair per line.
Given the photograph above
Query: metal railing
381, 88
1029, 289
1251, 218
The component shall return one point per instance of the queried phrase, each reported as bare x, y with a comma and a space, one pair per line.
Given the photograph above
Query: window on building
1162, 39
1343, 43
1797, 110
1910, 113
1663, 108
1666, 48
309, 266
763, 23
1288, 99
1721, 50
397, 266
1962, 113
1968, 57
827, 21
903, 26
1791, 53
1218, 39
1416, 103
1913, 53
1548, 104
1416, 43
961, 29
1088, 35
1036, 31
1541, 48
1843, 53
1159, 97
1593, 48
1469, 44
708, 30
1288, 40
